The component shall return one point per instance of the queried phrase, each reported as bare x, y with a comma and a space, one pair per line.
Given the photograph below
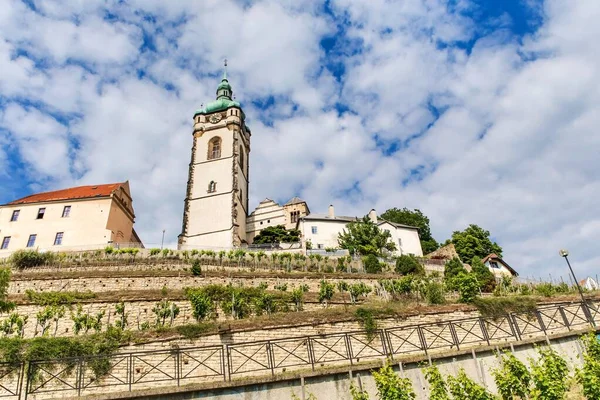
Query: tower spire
225, 69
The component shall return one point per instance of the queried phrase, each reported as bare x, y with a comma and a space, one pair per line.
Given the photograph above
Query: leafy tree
164, 310
372, 264
550, 374
467, 286
452, 269
414, 218
202, 306
409, 265
326, 291
357, 393
277, 234
589, 375
364, 237
474, 241
392, 387
463, 387
512, 378
438, 389
487, 280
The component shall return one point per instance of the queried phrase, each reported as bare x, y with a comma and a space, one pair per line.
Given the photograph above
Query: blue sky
474, 111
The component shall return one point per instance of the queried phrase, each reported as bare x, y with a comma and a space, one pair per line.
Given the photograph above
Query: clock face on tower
215, 118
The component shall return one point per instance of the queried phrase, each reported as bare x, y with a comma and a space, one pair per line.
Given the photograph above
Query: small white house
498, 266
589, 284
322, 231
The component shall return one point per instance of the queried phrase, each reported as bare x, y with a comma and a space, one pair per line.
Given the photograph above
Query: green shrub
494, 307
22, 259
409, 265
390, 386
438, 389
57, 298
434, 293
372, 264
196, 268
463, 387
326, 291
545, 289
550, 375
366, 319
512, 378
467, 286
154, 251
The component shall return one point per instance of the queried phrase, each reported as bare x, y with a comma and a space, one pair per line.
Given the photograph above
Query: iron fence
177, 366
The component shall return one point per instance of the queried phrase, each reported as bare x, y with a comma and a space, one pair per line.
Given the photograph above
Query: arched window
214, 148
212, 187
241, 157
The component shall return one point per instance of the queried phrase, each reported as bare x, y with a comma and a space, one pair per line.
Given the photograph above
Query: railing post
538, 315
223, 361
270, 358
80, 372
484, 330
348, 348
422, 339
564, 317
311, 352
388, 341
515, 327
131, 377
229, 365
454, 335
588, 315
178, 366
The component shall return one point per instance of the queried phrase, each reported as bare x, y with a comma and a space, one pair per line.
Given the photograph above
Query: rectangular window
5, 242
31, 241
58, 238
66, 212
15, 215
313, 229
494, 264
399, 242
295, 215
41, 213
320, 246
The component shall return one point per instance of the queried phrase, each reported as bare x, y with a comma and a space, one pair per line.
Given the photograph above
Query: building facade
322, 231
269, 213
216, 202
79, 218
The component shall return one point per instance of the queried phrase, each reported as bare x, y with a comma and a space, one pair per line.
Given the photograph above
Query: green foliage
165, 310
165, 252
589, 375
512, 379
409, 265
196, 268
549, 374
545, 289
438, 389
22, 259
277, 234
122, 313
434, 292
154, 251
474, 241
390, 386
467, 286
372, 264
358, 394
357, 290
86, 321
56, 298
5, 305
452, 269
364, 237
326, 291
400, 286
281, 286
366, 320
297, 296
464, 388
494, 307
485, 277
14, 324
413, 218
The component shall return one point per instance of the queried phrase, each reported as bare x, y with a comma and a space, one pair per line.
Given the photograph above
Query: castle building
269, 213
78, 218
216, 202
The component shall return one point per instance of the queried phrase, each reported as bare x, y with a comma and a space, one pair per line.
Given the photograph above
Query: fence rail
177, 366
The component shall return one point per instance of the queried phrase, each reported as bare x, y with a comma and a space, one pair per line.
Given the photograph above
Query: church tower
216, 202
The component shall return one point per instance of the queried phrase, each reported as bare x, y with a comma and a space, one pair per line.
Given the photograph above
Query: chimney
373, 215
331, 211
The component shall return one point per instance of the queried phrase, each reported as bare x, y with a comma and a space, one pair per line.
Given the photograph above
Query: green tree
414, 218
474, 241
372, 264
464, 388
5, 306
452, 269
487, 280
326, 291
512, 378
364, 237
390, 386
438, 389
467, 286
549, 374
409, 265
277, 234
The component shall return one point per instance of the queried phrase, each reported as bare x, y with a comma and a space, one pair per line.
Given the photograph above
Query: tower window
15, 215
214, 148
242, 158
295, 215
212, 187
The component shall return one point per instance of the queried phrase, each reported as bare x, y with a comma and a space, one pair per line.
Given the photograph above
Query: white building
322, 231
498, 266
269, 213
78, 218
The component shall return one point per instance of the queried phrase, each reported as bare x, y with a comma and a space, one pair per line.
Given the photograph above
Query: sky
473, 111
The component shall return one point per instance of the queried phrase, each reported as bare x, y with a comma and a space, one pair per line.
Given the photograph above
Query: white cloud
515, 149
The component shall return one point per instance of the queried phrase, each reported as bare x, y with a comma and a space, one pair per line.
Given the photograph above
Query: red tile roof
80, 192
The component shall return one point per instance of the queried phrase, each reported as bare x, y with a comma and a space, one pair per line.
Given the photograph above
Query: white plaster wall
85, 226
327, 232
266, 214
409, 238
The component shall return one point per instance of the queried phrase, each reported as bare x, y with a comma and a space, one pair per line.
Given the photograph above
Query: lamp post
565, 254
162, 242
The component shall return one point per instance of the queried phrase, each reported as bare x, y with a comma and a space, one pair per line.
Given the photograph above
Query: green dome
224, 85
223, 101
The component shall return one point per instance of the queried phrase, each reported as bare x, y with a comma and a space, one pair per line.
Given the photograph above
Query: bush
196, 269
467, 286
372, 264
545, 289
22, 259
434, 293
494, 307
366, 319
408, 264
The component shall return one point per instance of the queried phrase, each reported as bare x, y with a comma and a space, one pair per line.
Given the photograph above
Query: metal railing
177, 366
